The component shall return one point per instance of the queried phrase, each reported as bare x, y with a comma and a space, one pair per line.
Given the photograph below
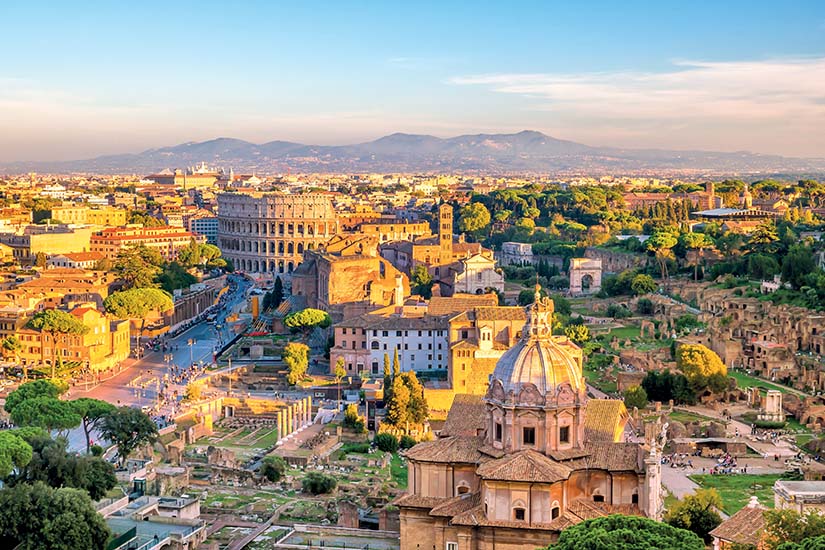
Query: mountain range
523, 152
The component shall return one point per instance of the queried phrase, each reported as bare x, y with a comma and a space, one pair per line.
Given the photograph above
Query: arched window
634, 499
462, 488
281, 247
597, 496
374, 344
290, 248
300, 248
290, 267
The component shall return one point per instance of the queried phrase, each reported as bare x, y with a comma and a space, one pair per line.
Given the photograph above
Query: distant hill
524, 152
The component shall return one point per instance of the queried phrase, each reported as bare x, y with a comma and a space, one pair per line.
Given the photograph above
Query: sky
82, 79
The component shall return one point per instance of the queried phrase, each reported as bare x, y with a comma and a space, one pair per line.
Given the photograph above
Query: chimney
399, 290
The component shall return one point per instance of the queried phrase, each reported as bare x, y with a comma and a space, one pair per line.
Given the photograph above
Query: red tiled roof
527, 466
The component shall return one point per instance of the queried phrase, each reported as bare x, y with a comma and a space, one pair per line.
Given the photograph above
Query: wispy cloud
777, 97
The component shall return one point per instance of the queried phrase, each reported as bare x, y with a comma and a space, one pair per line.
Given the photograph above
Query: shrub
617, 311
273, 468
406, 442
317, 483
352, 420
386, 442
644, 306
768, 425
96, 450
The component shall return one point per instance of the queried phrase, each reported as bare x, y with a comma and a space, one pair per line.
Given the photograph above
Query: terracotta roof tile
447, 449
743, 527
457, 505
417, 501
467, 416
603, 418
441, 305
613, 457
527, 466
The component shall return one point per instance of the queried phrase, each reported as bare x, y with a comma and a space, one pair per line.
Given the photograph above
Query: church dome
539, 363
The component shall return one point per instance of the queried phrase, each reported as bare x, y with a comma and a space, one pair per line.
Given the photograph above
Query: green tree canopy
398, 407
811, 543
353, 420
296, 358
128, 428
578, 333
307, 319
643, 284
15, 452
91, 412
797, 265
135, 303
421, 282
45, 412
316, 483
661, 243
53, 465
138, 267
38, 517
635, 396
56, 322
699, 364
35, 388
273, 468
626, 533
787, 528
697, 513
473, 218
175, 276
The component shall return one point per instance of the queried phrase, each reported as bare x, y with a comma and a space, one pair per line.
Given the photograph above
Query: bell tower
445, 234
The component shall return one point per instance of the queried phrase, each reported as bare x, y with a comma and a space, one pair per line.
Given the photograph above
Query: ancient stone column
299, 414
281, 424
309, 409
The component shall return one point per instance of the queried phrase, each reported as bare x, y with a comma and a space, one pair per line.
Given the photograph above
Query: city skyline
89, 82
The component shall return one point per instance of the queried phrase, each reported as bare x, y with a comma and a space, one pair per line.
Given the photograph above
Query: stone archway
585, 276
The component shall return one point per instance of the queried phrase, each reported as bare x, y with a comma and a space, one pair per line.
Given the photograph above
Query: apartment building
166, 240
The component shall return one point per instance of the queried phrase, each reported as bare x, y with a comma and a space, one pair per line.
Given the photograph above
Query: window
635, 498
564, 434
528, 436
598, 498
462, 489
464, 334
374, 344
518, 514
498, 431
398, 333
385, 333
554, 512
452, 546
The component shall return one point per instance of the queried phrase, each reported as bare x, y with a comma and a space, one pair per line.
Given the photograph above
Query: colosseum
268, 232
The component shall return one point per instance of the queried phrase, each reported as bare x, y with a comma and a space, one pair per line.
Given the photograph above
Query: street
139, 381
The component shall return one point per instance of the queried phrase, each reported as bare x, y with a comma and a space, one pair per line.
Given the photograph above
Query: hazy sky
80, 79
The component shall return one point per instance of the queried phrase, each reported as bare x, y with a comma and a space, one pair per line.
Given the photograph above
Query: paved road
138, 383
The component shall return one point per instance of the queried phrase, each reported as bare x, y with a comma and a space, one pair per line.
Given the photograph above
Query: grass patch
802, 439
793, 424
623, 333
398, 471
746, 381
684, 417
737, 489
